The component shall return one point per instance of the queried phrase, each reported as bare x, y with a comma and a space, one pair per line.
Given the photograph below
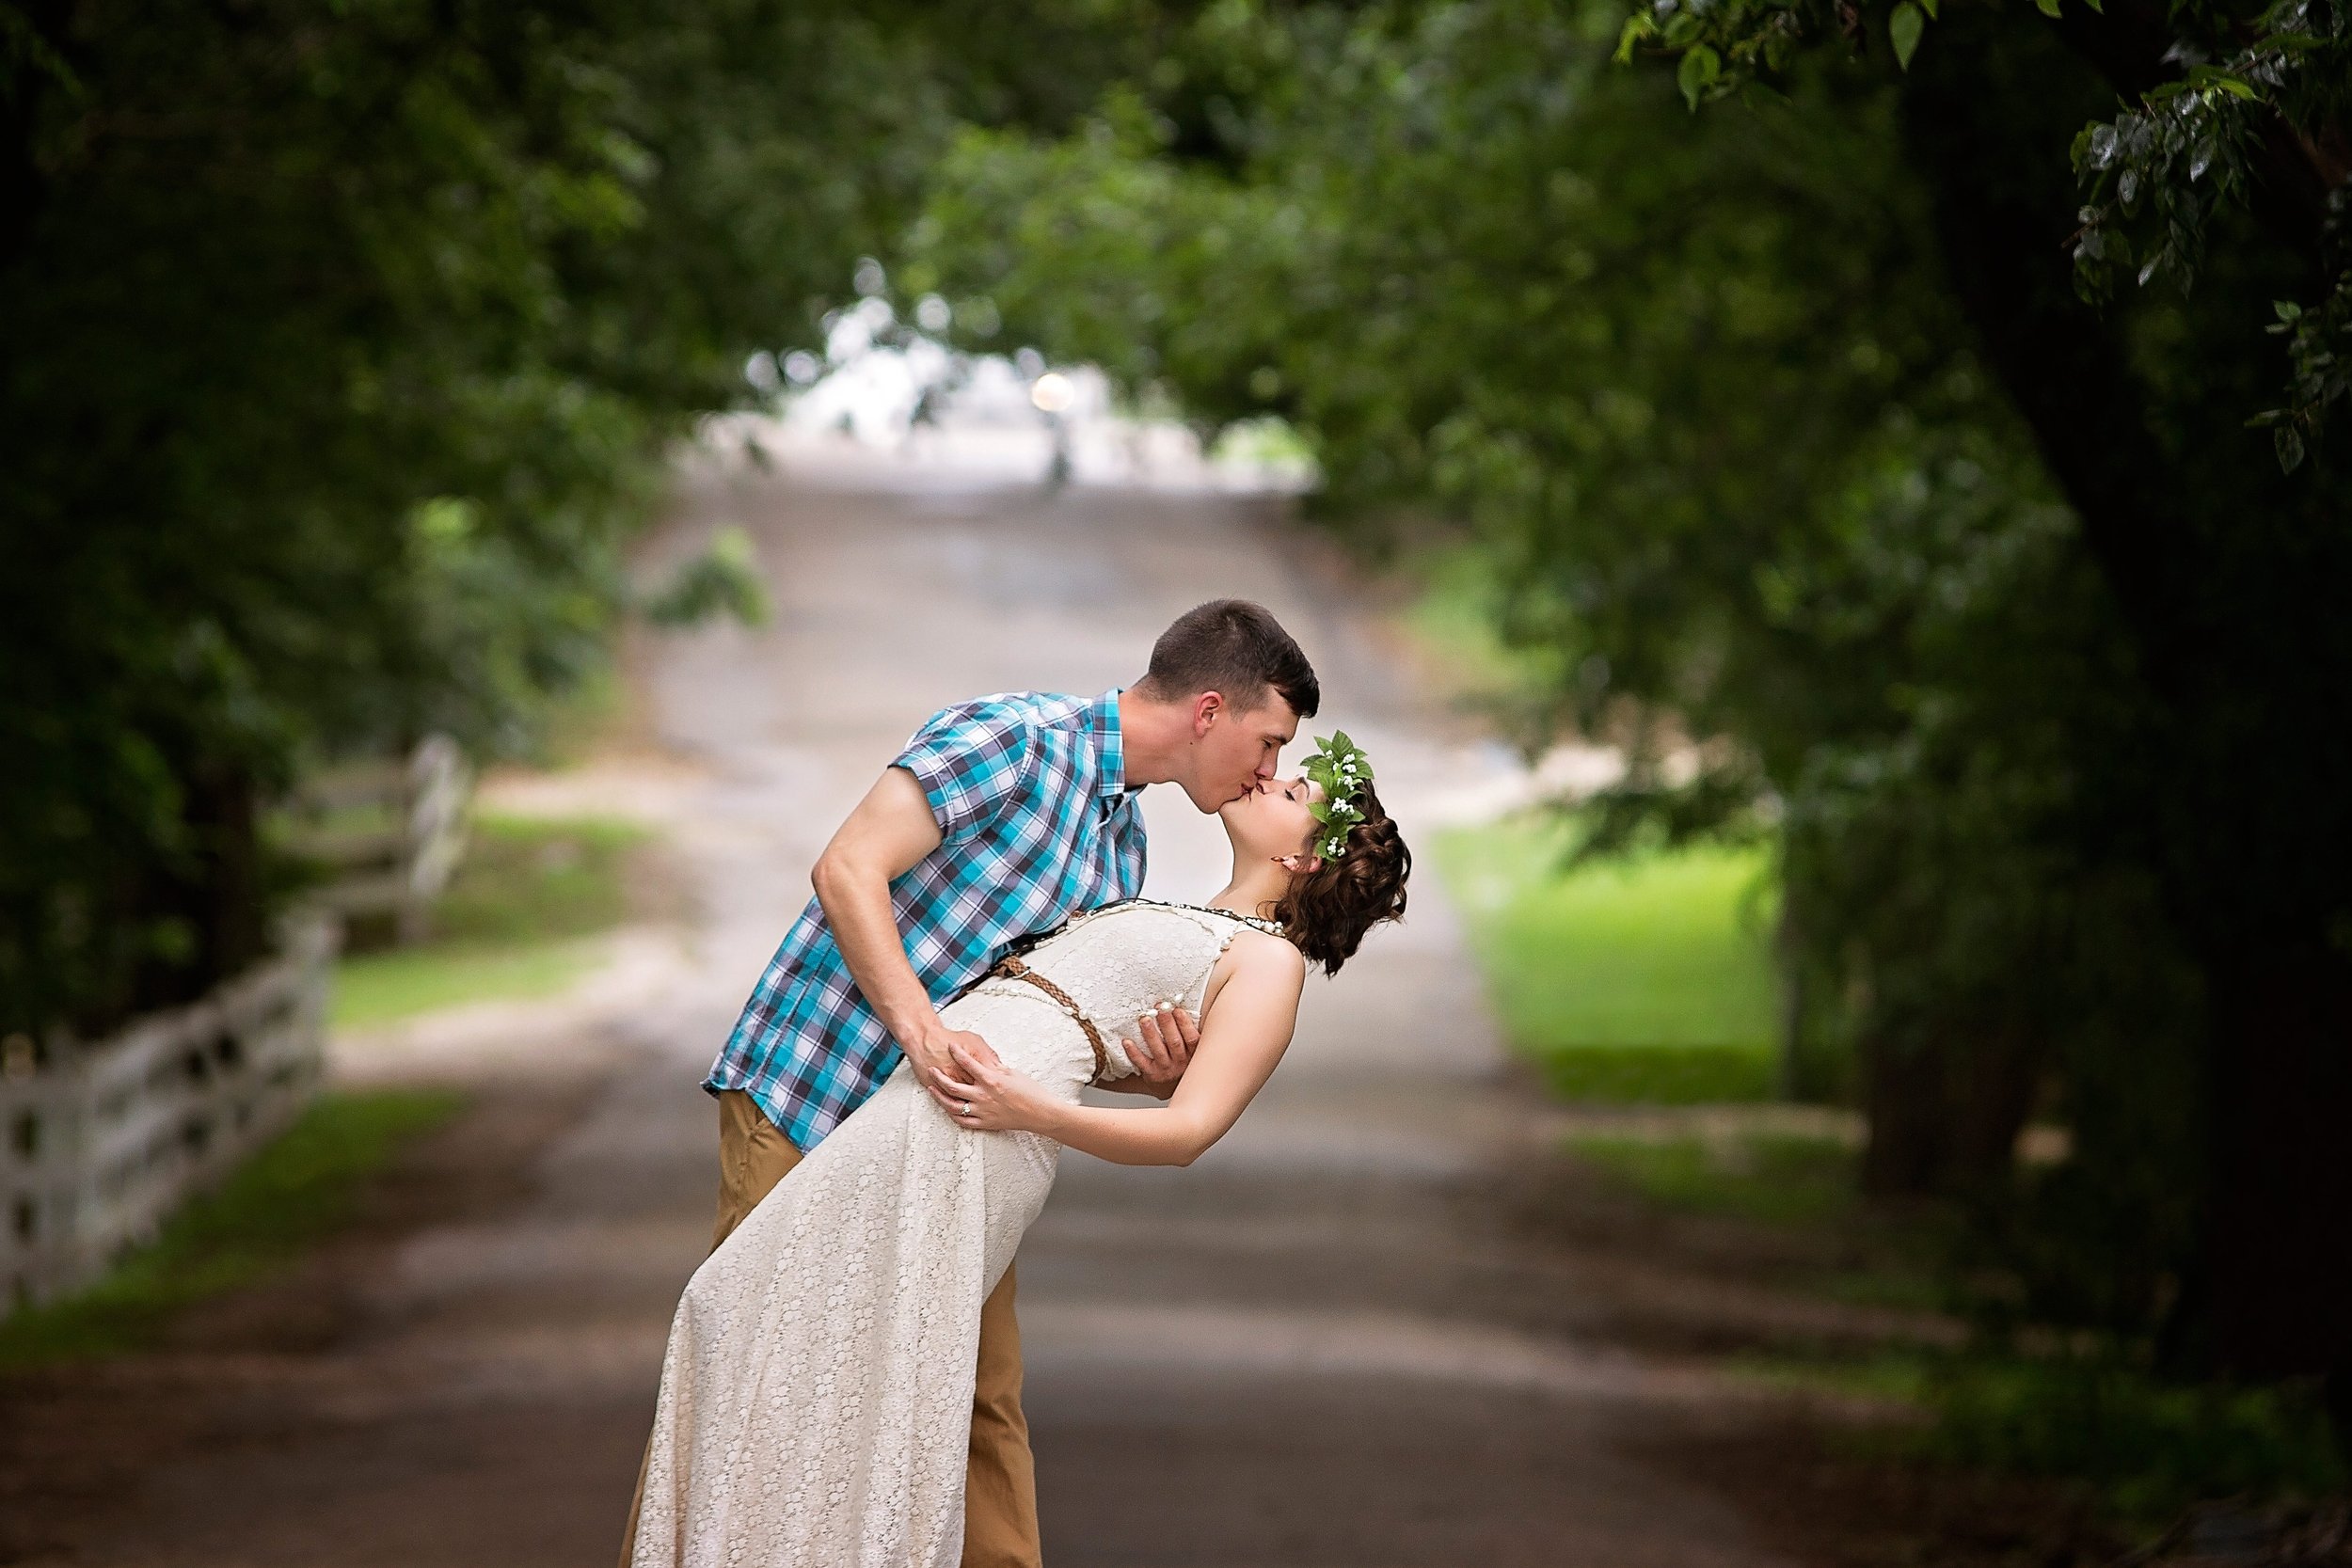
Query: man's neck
1153, 736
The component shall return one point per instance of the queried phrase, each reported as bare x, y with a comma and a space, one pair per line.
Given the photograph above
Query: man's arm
890, 831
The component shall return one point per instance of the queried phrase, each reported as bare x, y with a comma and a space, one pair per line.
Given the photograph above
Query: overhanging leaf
1697, 73
1903, 29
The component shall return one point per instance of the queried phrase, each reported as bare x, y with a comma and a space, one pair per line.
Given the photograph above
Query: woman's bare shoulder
1267, 959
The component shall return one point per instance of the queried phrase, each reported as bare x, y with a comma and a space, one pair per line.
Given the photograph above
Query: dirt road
1318, 1348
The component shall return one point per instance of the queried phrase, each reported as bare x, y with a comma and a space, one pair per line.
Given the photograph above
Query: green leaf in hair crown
1339, 766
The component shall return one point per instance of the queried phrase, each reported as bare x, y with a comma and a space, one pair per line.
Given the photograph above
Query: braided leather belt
1013, 969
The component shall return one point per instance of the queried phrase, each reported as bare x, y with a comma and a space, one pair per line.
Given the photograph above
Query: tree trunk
1945, 1114
1903, 1102
1788, 947
2271, 1295
2229, 578
230, 903
1987, 121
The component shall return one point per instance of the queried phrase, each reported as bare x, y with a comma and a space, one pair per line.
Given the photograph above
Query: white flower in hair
1339, 766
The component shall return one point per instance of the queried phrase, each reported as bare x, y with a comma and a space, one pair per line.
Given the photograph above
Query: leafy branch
2156, 177
2196, 146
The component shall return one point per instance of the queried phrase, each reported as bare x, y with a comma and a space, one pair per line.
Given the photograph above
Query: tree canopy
1793, 434
1855, 398
342, 346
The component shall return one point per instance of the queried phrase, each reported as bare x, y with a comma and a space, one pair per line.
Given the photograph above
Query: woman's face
1272, 820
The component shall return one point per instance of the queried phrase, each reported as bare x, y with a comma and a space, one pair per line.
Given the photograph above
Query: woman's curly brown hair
1327, 911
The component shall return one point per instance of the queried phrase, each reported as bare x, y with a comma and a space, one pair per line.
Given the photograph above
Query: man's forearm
856, 901
887, 835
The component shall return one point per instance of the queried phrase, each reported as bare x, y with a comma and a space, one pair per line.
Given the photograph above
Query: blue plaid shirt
1037, 823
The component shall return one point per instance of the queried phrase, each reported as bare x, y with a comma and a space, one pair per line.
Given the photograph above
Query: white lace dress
816, 1405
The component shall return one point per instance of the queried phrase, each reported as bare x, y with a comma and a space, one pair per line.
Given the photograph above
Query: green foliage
2143, 1446
2189, 905
2141, 1449
2150, 1447
722, 581
1803, 474
295, 1193
2196, 146
1338, 768
509, 926
344, 345
2263, 100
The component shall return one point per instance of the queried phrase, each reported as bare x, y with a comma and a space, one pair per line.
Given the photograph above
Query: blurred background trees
342, 347
1788, 434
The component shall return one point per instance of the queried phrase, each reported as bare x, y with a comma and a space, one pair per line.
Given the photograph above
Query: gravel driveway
1318, 1348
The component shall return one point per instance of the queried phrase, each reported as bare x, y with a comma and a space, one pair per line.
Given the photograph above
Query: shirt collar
1110, 747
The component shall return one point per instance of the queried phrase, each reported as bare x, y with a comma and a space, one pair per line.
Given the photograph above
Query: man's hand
1161, 1051
933, 1055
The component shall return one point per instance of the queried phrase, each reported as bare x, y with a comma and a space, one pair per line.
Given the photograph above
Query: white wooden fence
409, 837
105, 1138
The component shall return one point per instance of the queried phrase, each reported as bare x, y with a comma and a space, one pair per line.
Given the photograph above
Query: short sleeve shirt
1036, 824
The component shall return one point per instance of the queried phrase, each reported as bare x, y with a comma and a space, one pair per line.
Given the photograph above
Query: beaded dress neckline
1272, 927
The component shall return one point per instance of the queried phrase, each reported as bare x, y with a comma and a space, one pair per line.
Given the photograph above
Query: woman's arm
1243, 1036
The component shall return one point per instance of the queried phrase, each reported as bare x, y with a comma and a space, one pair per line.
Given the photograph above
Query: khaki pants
1000, 1487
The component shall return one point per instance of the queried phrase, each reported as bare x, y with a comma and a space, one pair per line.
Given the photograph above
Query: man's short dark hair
1236, 648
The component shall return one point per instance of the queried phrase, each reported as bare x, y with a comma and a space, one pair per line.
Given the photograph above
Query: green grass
1888, 1376
1771, 1178
529, 879
2141, 1449
514, 924
2142, 1446
1647, 980
295, 1192
384, 988
2147, 1448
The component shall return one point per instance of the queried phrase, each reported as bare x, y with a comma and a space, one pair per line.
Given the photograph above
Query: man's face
1234, 749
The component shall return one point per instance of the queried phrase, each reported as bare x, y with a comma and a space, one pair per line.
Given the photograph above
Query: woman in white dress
816, 1402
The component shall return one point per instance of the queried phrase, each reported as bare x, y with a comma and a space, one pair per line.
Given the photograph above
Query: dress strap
1271, 927
1013, 969
1036, 939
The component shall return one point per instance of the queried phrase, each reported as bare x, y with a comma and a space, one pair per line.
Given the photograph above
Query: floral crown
1339, 766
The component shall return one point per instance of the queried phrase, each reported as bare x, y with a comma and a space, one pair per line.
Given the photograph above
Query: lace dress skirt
816, 1405
816, 1402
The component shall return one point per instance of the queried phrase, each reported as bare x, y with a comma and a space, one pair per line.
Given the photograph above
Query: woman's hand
1162, 1049
989, 1097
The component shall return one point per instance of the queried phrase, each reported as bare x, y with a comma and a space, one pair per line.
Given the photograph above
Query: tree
1789, 432
343, 344
2228, 160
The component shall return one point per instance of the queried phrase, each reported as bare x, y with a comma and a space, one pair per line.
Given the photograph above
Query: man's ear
1205, 709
